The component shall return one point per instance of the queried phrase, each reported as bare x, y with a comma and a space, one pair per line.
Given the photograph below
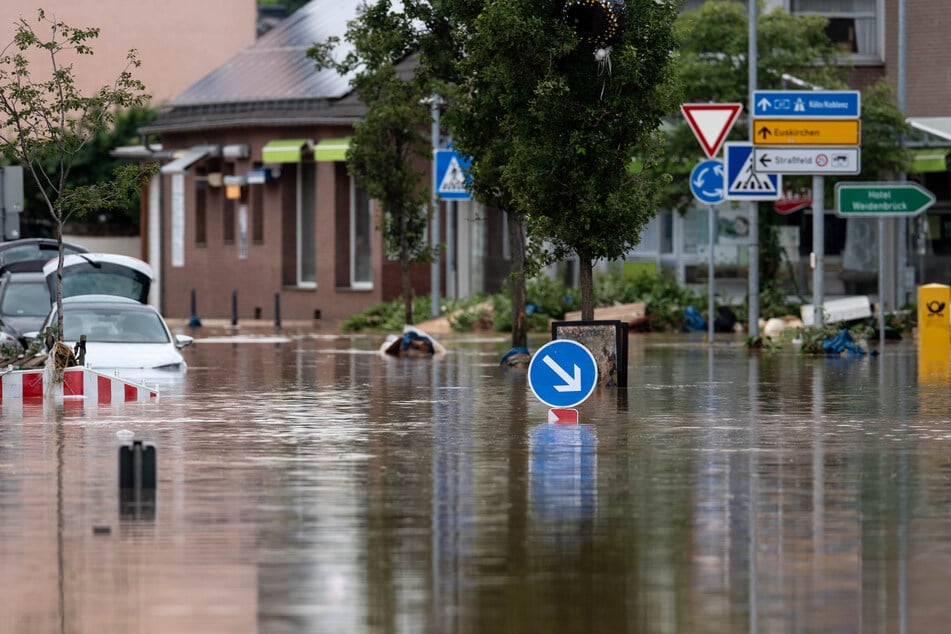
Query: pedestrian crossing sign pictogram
452, 179
742, 181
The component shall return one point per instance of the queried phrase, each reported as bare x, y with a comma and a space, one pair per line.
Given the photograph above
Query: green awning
332, 150
930, 160
284, 150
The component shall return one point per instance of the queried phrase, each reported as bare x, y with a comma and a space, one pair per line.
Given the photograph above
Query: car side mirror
183, 340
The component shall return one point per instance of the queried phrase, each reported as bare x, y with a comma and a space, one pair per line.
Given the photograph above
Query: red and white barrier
79, 384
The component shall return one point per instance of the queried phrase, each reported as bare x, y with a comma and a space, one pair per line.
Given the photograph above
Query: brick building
254, 199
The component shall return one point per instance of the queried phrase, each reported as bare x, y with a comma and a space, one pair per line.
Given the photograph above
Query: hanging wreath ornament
597, 22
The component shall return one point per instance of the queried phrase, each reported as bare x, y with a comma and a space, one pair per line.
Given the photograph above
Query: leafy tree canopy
390, 145
552, 129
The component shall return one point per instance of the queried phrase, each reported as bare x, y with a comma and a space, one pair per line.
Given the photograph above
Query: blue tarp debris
518, 355
840, 343
418, 342
693, 320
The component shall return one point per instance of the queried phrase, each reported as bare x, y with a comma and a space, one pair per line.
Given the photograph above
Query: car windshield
112, 325
26, 298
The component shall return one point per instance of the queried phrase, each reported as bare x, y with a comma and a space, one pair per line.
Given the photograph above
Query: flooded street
312, 485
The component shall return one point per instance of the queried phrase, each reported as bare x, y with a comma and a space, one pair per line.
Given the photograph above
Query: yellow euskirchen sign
806, 132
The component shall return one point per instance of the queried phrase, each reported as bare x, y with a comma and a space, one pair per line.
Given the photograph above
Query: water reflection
312, 485
563, 486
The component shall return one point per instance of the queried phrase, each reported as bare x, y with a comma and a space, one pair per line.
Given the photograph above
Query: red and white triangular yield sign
711, 122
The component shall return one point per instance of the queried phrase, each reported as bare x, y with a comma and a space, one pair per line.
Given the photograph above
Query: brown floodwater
312, 485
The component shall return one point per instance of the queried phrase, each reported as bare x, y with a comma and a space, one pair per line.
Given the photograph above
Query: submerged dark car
34, 250
24, 298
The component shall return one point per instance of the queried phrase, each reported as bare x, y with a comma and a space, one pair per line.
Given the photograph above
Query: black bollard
234, 308
194, 321
277, 311
137, 480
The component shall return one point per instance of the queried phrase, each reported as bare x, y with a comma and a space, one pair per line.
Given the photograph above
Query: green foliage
474, 316
387, 316
389, 143
902, 321
774, 301
93, 165
665, 300
551, 130
549, 299
811, 337
883, 125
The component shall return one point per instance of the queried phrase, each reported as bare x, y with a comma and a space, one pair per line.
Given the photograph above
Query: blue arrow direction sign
562, 373
706, 182
452, 179
806, 104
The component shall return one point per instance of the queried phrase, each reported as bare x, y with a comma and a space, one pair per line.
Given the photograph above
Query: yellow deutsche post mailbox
934, 333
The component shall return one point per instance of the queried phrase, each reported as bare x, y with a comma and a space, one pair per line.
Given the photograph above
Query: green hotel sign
881, 199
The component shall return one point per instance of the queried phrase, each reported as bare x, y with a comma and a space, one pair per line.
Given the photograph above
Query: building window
228, 209
201, 210
257, 214
361, 233
307, 225
228, 219
853, 24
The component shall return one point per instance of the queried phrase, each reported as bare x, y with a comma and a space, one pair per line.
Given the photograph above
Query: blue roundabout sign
707, 182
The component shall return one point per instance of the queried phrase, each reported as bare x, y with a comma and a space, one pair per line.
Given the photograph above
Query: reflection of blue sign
562, 373
742, 181
706, 182
805, 104
563, 484
452, 179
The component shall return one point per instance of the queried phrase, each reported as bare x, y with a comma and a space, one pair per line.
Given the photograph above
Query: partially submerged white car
104, 298
120, 334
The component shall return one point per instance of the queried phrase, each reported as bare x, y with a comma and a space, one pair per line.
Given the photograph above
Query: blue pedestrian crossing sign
706, 182
562, 373
452, 179
743, 182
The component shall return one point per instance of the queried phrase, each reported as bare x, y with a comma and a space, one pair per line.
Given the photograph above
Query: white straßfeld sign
819, 161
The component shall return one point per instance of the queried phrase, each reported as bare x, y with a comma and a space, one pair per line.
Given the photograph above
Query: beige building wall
178, 41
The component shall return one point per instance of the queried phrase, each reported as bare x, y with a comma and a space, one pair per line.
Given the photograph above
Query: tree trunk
59, 281
407, 290
405, 281
517, 278
586, 280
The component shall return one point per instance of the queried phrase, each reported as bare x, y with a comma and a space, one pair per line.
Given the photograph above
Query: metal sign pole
881, 284
711, 228
753, 259
434, 281
818, 248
